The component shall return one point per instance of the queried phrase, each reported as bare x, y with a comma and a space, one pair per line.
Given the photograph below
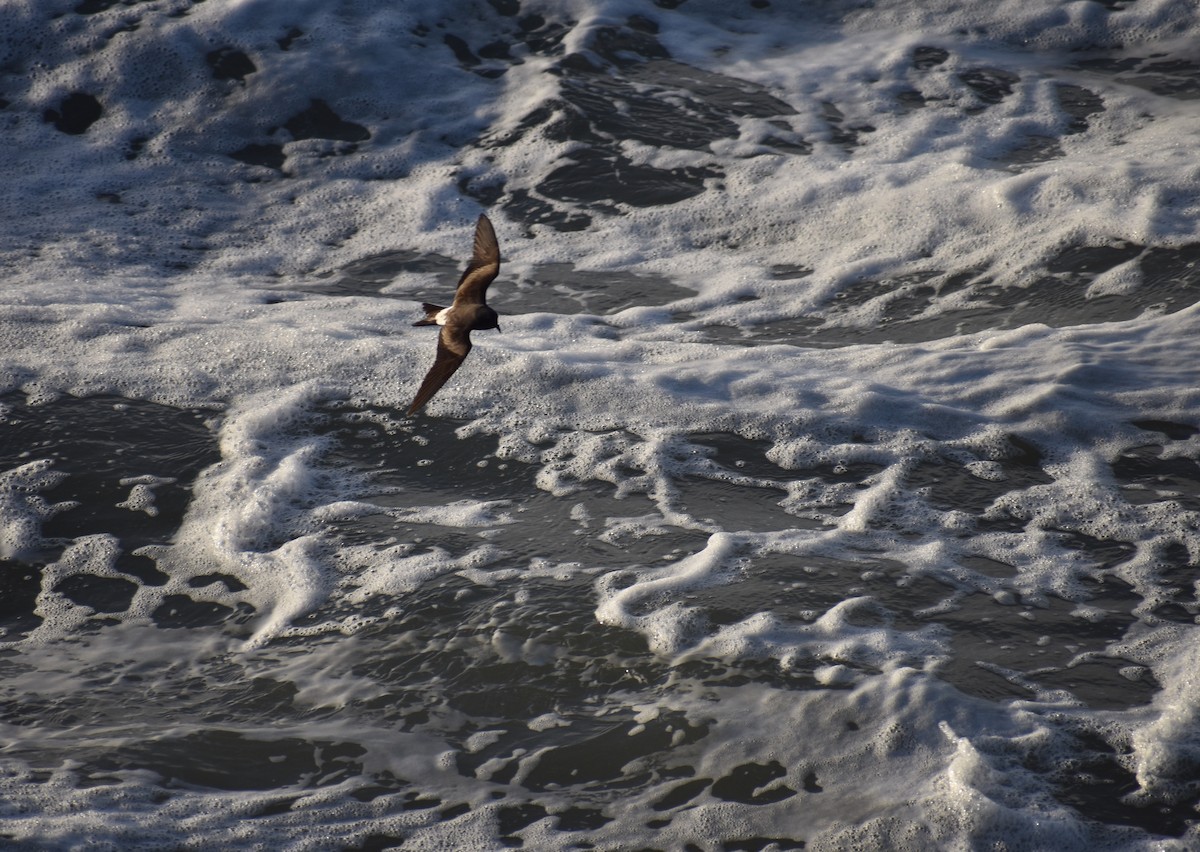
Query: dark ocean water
833, 484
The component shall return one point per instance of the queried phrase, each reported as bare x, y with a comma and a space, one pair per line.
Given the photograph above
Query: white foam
141, 493
23, 509
197, 288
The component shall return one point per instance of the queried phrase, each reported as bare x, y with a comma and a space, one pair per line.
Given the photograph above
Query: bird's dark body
469, 312
479, 319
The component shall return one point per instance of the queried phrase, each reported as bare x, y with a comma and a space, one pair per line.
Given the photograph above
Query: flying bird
468, 312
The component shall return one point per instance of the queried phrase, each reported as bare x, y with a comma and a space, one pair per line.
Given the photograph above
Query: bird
468, 312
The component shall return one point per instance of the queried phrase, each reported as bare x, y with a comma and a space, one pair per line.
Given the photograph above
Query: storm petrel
468, 312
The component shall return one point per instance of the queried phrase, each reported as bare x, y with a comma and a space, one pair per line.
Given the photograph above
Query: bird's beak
497, 328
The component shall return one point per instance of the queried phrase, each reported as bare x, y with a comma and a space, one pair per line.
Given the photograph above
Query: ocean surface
832, 485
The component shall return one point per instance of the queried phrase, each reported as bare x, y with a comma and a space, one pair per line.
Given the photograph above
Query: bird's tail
431, 312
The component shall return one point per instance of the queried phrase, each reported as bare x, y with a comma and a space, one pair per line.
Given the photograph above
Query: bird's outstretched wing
483, 267
454, 343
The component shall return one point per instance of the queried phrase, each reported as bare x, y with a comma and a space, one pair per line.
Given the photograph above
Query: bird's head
488, 318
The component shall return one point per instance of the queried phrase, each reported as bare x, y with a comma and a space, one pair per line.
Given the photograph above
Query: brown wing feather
453, 345
483, 267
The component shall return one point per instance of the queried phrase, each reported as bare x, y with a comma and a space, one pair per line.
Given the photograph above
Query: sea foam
887, 394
